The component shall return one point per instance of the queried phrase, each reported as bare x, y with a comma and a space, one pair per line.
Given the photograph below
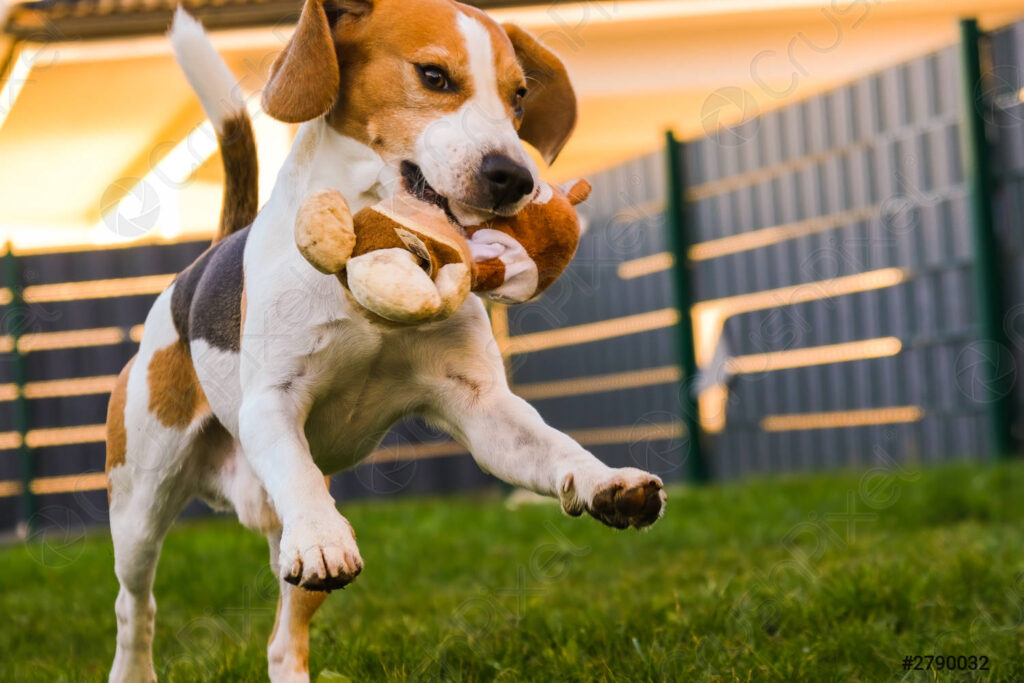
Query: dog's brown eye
435, 78
517, 102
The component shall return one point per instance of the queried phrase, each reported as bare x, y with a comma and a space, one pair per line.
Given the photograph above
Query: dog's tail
222, 100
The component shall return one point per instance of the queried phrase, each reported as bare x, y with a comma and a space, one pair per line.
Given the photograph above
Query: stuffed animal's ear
550, 104
304, 78
324, 231
577, 191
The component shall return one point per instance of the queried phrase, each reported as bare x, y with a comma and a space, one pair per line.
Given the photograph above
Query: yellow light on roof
16, 80
152, 203
575, 14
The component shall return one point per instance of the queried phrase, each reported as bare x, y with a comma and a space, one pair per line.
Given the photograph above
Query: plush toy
404, 260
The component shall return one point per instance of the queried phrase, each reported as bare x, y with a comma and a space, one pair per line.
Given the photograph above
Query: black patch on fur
207, 299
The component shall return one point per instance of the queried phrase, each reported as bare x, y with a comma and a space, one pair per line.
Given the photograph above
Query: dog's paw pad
629, 501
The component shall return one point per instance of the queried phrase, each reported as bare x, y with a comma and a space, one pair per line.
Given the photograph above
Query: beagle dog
257, 374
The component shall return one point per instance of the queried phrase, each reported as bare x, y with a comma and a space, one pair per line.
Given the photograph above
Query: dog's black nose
506, 181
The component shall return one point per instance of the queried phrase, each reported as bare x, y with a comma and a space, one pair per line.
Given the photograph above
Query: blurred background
818, 271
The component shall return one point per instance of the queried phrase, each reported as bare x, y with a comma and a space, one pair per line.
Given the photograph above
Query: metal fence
828, 253
834, 264
849, 298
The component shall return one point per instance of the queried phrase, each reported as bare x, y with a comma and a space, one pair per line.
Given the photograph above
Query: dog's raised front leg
509, 439
318, 545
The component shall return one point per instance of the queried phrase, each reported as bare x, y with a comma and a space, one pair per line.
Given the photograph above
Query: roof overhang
101, 107
75, 20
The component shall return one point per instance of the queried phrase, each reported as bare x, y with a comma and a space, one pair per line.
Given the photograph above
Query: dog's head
436, 88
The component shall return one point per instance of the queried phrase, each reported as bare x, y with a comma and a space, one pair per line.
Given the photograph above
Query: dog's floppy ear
304, 78
550, 104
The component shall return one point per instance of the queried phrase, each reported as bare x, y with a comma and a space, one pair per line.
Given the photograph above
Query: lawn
815, 578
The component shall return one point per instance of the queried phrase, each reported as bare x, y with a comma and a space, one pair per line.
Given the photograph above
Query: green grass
763, 580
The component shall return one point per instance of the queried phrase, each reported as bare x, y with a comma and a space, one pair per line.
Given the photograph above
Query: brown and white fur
256, 374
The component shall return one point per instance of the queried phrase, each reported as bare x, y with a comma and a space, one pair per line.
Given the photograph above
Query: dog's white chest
360, 396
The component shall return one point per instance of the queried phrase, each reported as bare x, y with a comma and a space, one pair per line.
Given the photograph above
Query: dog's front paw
320, 555
621, 498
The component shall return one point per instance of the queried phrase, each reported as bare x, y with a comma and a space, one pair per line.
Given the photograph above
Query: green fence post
16, 328
679, 245
988, 290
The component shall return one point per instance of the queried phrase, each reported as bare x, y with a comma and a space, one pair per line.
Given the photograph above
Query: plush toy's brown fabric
488, 275
549, 232
405, 223
385, 242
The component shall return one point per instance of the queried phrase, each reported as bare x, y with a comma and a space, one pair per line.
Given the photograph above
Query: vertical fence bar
16, 319
679, 244
988, 289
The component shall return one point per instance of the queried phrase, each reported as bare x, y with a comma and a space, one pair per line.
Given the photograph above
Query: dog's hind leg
137, 527
146, 493
235, 485
159, 436
288, 648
